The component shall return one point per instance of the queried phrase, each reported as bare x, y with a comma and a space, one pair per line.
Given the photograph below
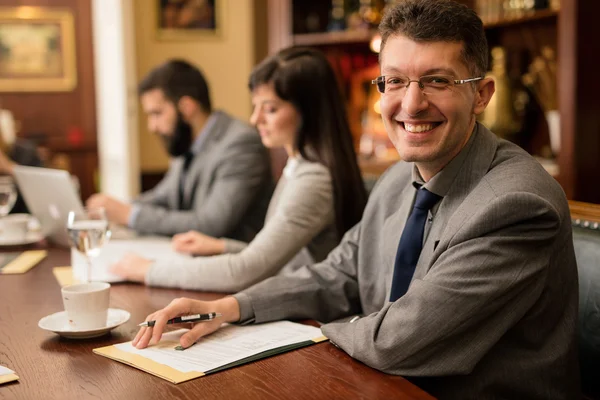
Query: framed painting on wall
188, 19
37, 50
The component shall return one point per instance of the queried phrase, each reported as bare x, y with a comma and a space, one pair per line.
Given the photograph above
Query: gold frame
62, 17
191, 33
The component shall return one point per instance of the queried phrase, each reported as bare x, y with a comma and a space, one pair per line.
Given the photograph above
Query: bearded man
219, 180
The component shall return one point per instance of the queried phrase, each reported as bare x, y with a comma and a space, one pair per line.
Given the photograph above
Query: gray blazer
227, 187
492, 308
299, 229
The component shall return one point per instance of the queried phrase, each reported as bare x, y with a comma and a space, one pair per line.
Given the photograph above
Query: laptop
49, 194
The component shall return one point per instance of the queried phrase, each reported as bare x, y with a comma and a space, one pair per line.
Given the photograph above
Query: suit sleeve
323, 291
304, 209
495, 265
242, 173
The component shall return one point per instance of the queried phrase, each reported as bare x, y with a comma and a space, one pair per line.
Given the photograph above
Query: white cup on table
86, 305
14, 227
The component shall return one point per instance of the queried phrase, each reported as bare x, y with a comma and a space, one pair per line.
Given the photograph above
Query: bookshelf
365, 36
570, 31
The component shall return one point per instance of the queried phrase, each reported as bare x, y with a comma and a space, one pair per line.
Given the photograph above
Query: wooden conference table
51, 367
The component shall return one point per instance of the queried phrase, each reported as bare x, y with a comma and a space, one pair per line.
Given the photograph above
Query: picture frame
37, 50
188, 19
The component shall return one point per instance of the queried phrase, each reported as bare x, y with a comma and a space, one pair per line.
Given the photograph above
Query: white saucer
58, 323
30, 238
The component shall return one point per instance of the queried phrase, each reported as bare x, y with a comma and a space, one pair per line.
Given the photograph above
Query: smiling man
219, 181
462, 269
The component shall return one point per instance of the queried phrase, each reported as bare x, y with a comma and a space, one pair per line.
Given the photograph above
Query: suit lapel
214, 135
449, 216
176, 167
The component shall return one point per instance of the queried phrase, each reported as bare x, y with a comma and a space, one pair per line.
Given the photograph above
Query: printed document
229, 346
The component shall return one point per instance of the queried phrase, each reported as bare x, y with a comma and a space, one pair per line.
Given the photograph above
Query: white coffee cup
14, 227
86, 305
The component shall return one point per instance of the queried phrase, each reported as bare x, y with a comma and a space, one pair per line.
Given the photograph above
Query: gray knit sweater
299, 229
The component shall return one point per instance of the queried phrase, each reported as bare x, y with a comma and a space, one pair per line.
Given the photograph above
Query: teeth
418, 128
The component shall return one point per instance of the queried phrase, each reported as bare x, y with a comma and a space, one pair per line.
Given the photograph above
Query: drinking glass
88, 232
8, 195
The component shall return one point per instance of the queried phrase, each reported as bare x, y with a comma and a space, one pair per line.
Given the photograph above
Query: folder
64, 276
164, 361
7, 375
19, 263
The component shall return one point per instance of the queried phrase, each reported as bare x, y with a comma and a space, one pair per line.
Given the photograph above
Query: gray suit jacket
491, 311
227, 187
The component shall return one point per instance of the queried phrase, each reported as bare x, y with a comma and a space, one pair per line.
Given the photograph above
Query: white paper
230, 343
115, 250
5, 371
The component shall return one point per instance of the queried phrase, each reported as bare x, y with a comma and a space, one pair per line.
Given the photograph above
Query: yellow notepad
7, 375
64, 276
228, 347
24, 262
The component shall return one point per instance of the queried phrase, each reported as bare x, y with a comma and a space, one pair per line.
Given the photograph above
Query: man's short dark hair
439, 21
176, 79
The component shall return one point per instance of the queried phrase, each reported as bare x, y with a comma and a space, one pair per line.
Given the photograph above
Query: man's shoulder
394, 179
515, 170
233, 129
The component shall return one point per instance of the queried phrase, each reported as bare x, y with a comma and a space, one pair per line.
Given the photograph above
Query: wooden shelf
585, 212
328, 38
526, 16
365, 36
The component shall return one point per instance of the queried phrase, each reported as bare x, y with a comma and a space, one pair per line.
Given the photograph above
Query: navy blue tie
411, 243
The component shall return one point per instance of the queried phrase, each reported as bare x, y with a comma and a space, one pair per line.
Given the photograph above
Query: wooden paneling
54, 115
579, 102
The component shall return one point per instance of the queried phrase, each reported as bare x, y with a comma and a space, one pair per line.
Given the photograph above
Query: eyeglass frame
381, 79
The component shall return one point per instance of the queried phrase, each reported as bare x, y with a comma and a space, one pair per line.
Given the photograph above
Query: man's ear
187, 107
485, 90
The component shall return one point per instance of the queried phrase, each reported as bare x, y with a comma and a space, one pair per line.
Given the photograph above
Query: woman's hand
197, 243
132, 267
228, 307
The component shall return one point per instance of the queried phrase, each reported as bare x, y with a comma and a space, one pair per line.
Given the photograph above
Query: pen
186, 318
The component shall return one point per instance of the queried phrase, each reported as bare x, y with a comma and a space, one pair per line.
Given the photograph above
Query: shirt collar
441, 182
204, 133
290, 166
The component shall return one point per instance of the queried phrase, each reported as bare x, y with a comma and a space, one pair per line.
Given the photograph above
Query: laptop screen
49, 194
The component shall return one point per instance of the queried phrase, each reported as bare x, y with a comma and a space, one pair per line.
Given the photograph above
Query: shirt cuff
246, 310
135, 210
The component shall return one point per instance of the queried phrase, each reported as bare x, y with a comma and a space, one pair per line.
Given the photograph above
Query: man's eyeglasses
429, 84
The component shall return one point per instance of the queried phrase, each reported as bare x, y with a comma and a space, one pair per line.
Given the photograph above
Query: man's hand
228, 307
197, 243
132, 267
116, 211
6, 165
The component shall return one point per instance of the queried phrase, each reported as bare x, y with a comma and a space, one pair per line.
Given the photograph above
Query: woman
321, 195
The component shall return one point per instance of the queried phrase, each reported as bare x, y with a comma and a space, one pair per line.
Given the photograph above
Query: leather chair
586, 239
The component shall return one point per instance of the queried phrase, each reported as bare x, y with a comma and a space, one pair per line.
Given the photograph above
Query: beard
180, 141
